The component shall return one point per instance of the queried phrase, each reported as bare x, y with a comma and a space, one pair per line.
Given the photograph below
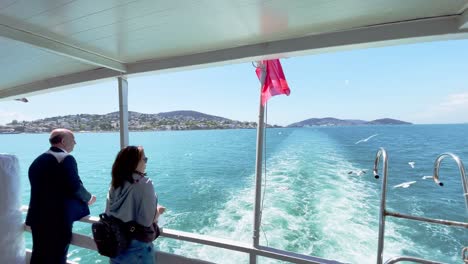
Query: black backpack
110, 236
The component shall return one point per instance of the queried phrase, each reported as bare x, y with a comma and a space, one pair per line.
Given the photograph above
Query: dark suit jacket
58, 196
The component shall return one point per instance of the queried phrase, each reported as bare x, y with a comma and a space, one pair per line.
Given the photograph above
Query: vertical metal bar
258, 170
123, 111
383, 201
461, 167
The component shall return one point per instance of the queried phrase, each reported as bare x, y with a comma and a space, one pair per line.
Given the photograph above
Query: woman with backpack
132, 199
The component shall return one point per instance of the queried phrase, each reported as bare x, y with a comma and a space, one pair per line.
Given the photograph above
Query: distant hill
331, 121
179, 115
186, 114
388, 121
176, 120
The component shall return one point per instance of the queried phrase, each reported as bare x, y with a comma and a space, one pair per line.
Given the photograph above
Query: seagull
427, 177
24, 100
361, 172
404, 185
366, 139
411, 163
358, 173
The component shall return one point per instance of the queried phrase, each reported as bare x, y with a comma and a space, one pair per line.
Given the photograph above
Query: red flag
275, 82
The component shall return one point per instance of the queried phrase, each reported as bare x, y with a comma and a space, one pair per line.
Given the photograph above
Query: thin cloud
455, 102
7, 117
452, 109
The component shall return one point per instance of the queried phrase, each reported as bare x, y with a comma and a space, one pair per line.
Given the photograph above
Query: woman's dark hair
125, 165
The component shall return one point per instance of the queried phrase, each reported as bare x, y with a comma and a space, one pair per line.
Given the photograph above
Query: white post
123, 111
258, 171
11, 224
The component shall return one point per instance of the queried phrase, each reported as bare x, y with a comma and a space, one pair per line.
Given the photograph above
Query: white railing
84, 241
383, 212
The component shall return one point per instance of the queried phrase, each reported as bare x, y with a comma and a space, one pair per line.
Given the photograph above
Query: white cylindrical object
11, 224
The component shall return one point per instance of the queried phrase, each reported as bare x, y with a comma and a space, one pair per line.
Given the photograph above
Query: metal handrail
85, 241
383, 211
427, 220
413, 259
381, 153
465, 255
464, 180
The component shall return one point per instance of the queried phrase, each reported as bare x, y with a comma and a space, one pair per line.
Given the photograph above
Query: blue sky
422, 83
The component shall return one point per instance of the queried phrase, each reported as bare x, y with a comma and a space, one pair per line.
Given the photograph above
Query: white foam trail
311, 207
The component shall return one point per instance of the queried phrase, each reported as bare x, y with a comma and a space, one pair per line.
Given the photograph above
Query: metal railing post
384, 212
461, 168
123, 111
258, 171
383, 200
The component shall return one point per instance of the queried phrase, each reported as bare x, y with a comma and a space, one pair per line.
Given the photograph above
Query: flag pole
258, 169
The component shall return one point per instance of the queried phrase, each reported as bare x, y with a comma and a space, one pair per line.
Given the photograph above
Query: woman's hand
161, 209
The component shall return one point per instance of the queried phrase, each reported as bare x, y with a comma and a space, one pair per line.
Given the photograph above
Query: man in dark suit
58, 198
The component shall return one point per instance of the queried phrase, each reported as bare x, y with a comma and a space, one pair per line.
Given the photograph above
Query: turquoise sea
311, 206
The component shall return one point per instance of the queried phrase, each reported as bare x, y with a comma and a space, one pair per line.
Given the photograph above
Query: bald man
58, 198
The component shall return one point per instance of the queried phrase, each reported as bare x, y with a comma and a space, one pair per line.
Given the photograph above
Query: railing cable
265, 172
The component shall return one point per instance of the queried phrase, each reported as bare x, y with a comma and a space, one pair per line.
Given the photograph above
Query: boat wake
311, 206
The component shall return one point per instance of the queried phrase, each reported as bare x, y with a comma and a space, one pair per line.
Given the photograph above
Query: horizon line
344, 119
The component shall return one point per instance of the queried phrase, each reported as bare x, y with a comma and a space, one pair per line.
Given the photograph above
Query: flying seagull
404, 185
366, 139
361, 172
358, 173
411, 163
24, 100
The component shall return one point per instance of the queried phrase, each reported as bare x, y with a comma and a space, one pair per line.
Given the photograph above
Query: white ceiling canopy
46, 44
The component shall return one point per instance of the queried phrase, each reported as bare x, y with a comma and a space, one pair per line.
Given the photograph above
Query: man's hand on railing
92, 200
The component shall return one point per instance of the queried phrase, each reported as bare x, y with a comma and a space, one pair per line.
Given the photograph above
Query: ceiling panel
83, 15
25, 64
207, 27
24, 9
6, 3
130, 31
